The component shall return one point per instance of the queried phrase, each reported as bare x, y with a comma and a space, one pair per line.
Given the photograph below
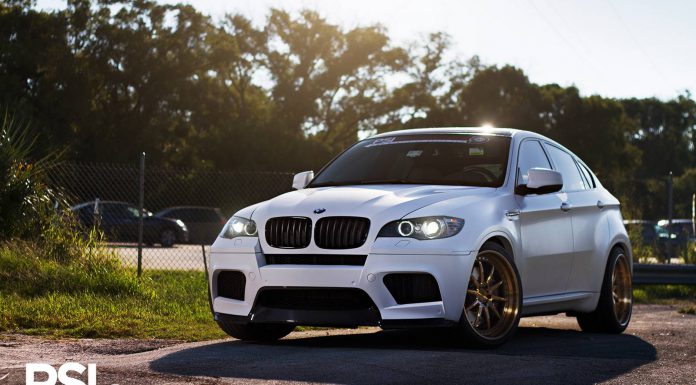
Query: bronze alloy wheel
614, 306
621, 290
492, 302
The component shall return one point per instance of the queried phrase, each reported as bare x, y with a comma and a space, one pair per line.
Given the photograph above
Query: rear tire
493, 303
615, 305
256, 332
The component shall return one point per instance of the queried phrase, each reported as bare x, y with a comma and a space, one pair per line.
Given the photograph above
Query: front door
545, 229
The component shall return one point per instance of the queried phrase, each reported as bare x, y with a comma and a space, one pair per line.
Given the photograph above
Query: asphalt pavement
658, 348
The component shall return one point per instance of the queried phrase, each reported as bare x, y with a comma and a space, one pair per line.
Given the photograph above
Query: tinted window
119, 211
178, 214
194, 215
449, 159
682, 230
588, 176
531, 156
566, 166
210, 215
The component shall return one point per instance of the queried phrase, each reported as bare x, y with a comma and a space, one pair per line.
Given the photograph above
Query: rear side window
572, 180
177, 214
195, 215
206, 215
587, 175
531, 156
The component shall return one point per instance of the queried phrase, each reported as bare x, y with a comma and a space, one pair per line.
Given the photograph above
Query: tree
110, 79
327, 83
664, 132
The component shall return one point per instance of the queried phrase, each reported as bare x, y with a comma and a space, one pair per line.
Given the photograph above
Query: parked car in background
203, 223
648, 230
461, 228
680, 233
119, 222
650, 234
680, 229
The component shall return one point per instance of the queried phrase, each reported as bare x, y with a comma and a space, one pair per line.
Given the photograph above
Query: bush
29, 210
57, 280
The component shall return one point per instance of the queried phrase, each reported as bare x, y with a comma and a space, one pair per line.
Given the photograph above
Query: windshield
441, 159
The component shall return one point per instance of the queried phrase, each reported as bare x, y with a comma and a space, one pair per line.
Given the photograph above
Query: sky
614, 48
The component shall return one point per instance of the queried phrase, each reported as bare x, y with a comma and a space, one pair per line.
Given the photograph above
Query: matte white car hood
386, 202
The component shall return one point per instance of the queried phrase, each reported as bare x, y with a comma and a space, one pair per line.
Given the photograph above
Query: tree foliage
110, 79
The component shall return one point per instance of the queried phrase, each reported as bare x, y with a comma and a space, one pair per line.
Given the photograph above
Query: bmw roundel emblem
319, 211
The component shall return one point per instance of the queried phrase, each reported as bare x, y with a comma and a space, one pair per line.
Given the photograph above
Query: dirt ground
659, 347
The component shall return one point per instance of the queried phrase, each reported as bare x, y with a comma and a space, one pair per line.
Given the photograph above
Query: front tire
615, 305
493, 302
255, 332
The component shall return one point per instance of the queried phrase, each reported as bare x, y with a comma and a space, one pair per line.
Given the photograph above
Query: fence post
693, 213
207, 280
141, 203
670, 206
96, 217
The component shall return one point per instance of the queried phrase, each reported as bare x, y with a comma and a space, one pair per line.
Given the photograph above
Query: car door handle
512, 215
600, 205
565, 206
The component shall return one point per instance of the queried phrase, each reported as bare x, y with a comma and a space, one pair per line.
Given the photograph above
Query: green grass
664, 294
691, 309
92, 296
98, 299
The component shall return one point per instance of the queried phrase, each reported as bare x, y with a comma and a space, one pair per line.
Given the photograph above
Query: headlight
239, 227
181, 224
423, 228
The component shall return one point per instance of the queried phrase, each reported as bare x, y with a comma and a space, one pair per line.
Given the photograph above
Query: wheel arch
500, 238
623, 245
502, 241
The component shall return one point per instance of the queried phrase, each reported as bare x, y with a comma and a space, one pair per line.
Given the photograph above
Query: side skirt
557, 303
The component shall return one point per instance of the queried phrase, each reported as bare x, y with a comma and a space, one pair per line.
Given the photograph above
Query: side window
107, 210
588, 175
194, 215
114, 211
531, 156
210, 216
177, 214
131, 212
572, 180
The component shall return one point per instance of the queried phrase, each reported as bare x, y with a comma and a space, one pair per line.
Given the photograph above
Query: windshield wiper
330, 183
388, 181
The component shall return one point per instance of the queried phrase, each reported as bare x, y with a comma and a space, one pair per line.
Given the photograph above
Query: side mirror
541, 181
302, 179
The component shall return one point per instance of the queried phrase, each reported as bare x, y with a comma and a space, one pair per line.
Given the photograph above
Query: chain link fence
183, 209
659, 217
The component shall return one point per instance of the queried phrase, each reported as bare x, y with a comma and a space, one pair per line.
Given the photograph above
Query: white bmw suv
464, 228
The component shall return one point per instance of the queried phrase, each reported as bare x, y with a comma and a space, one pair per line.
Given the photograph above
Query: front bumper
449, 270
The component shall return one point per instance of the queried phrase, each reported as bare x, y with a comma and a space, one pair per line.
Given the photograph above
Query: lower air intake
412, 287
230, 284
314, 299
315, 259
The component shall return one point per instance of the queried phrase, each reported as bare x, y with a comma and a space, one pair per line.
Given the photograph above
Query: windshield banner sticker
395, 140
